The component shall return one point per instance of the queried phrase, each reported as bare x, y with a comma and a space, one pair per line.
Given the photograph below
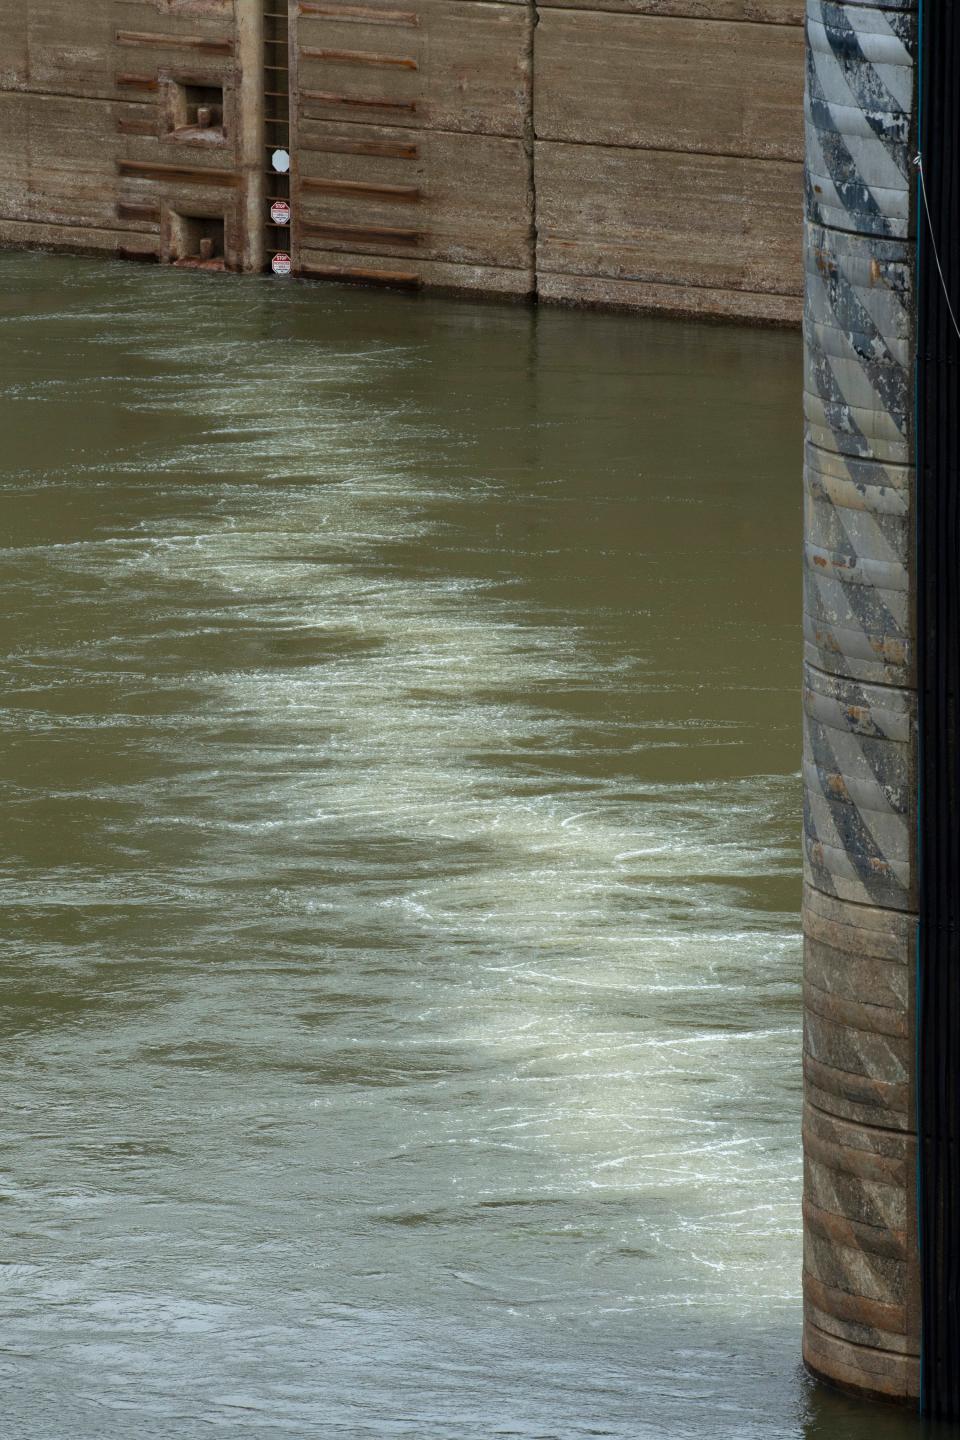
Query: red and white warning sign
280, 212
281, 263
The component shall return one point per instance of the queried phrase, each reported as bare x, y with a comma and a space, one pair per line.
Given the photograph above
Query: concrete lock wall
861, 1271
640, 153
103, 146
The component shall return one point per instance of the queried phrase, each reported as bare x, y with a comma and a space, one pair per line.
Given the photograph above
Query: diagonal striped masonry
861, 1313
859, 101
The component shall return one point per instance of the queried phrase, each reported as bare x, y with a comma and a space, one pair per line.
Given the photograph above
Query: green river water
400, 981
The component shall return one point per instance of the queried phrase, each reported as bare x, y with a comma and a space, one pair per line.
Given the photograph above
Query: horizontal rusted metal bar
358, 14
360, 102
362, 187
136, 127
361, 57
153, 170
379, 234
129, 211
128, 252
356, 272
341, 145
137, 82
210, 44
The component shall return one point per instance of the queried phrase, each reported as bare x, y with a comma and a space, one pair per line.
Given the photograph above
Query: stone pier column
861, 1271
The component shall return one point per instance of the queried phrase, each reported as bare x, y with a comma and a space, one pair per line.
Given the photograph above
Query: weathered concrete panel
110, 140
69, 47
14, 64
773, 12
693, 221
669, 84
443, 64
51, 175
352, 268
63, 48
695, 302
424, 194
128, 245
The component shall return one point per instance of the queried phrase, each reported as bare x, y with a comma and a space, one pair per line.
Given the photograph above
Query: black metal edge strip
938, 659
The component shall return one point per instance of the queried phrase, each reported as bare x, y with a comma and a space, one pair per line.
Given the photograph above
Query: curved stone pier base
861, 1283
